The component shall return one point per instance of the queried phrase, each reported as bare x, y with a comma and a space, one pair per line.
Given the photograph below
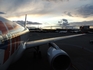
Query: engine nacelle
59, 59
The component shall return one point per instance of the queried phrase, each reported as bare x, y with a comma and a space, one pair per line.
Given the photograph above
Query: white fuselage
12, 42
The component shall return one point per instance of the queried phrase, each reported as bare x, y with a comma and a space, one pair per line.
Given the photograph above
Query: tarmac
79, 49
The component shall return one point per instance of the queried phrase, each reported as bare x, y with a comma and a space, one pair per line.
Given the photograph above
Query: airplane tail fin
25, 23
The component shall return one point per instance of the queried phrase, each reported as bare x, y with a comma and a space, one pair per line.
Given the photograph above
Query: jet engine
58, 59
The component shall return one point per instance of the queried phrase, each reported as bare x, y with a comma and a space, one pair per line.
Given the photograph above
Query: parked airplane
14, 40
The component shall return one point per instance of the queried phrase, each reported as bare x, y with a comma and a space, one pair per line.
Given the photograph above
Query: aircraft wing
57, 57
48, 40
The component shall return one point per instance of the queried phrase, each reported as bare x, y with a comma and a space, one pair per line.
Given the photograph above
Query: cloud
20, 7
82, 23
16, 7
2, 13
68, 13
86, 11
46, 10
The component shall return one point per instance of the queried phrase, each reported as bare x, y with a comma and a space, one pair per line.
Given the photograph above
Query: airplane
14, 39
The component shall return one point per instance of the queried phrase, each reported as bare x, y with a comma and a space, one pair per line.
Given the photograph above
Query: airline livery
14, 40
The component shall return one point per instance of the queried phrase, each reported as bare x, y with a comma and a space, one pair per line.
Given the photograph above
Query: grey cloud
82, 23
17, 7
68, 13
86, 10
21, 7
2, 13
55, 0
17, 4
14, 6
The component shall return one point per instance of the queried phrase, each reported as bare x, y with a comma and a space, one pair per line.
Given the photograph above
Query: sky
48, 11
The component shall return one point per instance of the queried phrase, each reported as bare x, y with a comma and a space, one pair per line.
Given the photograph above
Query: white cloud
44, 10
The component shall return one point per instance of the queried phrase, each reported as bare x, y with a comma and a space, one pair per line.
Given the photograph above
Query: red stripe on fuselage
18, 42
3, 28
6, 53
14, 41
16, 26
9, 26
13, 45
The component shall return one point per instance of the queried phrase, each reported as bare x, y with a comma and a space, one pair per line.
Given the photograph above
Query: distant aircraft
14, 40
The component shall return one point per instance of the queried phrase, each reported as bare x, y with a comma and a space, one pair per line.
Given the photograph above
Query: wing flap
48, 40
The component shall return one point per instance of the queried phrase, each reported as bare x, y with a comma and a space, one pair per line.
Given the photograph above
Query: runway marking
75, 67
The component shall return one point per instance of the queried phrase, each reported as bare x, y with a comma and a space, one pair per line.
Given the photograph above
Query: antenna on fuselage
25, 20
